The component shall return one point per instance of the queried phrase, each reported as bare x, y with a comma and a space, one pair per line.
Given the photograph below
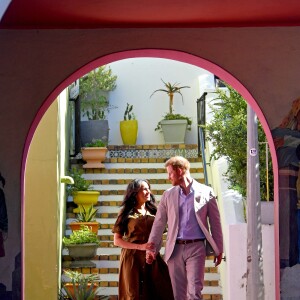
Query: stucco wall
137, 79
41, 211
34, 63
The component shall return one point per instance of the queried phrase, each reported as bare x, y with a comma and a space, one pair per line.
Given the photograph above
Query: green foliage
84, 286
175, 117
129, 115
171, 89
80, 184
228, 133
86, 215
96, 143
94, 103
82, 236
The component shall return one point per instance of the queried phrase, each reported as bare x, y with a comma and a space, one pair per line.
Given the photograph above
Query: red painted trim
177, 56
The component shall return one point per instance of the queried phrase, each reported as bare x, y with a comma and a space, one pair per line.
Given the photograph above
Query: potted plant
173, 126
81, 190
82, 246
129, 126
79, 286
86, 218
94, 153
93, 91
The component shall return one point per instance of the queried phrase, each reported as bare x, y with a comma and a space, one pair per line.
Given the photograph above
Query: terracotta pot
70, 287
94, 226
94, 156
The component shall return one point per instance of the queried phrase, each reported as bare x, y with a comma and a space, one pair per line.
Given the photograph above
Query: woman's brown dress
137, 279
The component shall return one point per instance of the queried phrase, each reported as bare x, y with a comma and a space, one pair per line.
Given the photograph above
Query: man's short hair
178, 162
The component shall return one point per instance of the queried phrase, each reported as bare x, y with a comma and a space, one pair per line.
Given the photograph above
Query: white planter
174, 131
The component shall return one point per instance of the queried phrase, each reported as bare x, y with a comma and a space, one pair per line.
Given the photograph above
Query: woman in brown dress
137, 279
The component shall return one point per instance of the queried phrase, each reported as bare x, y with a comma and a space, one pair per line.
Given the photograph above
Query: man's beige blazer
207, 214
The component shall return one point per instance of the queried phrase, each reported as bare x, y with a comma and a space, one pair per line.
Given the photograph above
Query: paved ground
290, 286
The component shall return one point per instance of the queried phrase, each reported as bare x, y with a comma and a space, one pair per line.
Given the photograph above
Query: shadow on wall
287, 143
15, 294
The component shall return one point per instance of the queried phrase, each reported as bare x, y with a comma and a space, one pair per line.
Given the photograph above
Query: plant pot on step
174, 131
78, 286
94, 129
82, 246
85, 199
83, 251
86, 218
94, 226
74, 289
129, 131
82, 254
94, 157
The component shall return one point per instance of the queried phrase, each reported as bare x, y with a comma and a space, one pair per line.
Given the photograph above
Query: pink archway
182, 57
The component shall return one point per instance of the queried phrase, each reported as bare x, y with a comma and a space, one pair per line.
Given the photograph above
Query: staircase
123, 164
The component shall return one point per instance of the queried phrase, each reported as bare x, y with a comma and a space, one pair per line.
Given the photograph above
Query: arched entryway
169, 54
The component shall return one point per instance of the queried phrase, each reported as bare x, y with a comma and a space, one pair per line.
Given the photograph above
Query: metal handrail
201, 135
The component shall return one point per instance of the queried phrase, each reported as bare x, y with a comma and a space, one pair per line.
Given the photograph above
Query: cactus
129, 115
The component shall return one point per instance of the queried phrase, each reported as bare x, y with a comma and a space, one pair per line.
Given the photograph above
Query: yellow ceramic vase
129, 131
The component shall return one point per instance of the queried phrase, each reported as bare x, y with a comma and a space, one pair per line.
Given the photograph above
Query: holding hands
151, 253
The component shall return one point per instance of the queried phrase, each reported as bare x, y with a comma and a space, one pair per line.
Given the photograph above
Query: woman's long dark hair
129, 202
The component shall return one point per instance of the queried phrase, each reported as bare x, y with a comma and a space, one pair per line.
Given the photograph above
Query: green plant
175, 117
227, 131
82, 236
86, 215
84, 287
129, 115
171, 89
96, 143
80, 184
94, 103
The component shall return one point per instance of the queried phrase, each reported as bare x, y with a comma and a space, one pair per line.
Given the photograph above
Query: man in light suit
190, 211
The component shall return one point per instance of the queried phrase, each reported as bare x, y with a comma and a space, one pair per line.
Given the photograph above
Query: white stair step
115, 277
106, 220
122, 187
116, 176
144, 165
107, 291
207, 290
108, 209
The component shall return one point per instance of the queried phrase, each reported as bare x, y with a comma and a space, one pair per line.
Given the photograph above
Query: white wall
233, 271
137, 79
236, 262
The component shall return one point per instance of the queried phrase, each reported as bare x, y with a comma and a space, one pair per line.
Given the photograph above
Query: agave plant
171, 89
81, 287
86, 215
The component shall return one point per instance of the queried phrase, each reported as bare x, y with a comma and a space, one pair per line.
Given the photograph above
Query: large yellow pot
86, 199
129, 131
